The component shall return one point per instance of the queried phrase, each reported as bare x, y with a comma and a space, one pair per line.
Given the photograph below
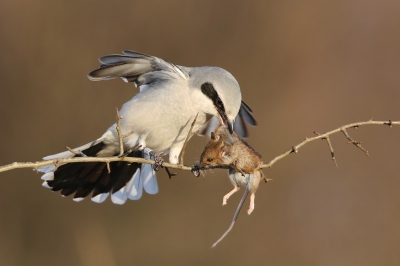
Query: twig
76, 152
18, 165
130, 150
189, 135
57, 162
330, 148
120, 136
327, 134
352, 141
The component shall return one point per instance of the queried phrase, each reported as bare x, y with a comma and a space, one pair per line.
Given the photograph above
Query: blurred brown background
302, 66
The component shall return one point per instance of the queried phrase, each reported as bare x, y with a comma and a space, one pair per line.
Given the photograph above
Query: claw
196, 170
158, 161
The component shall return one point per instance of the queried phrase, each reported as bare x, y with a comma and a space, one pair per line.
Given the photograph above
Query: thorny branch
326, 135
294, 149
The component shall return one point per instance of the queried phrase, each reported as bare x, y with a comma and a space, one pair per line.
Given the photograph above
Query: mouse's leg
251, 207
226, 197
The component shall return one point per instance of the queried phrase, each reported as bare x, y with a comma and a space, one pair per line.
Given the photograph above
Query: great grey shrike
159, 116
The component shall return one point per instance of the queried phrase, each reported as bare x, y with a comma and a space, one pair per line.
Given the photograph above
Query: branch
56, 162
107, 160
121, 137
189, 135
326, 135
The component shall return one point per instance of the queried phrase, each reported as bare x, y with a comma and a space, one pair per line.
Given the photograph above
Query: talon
196, 170
158, 160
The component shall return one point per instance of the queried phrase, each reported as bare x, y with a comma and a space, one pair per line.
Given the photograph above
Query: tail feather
100, 198
148, 177
125, 180
133, 189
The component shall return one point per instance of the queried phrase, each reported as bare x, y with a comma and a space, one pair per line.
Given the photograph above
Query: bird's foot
196, 170
158, 160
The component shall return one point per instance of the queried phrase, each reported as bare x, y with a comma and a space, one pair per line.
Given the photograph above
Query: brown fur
225, 149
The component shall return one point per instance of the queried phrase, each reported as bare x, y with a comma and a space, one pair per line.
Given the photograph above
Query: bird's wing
136, 67
245, 116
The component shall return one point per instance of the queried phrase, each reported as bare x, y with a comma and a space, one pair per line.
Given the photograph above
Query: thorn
390, 123
294, 149
56, 164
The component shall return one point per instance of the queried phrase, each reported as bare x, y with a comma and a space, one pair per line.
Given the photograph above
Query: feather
133, 191
247, 115
149, 179
132, 66
119, 197
240, 127
100, 198
48, 176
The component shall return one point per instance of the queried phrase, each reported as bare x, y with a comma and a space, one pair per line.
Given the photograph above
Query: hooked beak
226, 122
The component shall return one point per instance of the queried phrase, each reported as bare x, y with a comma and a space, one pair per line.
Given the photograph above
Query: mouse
226, 150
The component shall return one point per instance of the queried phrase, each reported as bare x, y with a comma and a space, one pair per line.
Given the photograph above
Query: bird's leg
158, 160
227, 196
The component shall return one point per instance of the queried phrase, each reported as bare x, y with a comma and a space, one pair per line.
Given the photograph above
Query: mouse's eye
209, 159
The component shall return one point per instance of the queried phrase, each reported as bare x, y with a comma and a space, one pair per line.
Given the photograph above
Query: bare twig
189, 135
18, 165
127, 135
130, 150
352, 141
327, 134
120, 136
330, 148
60, 161
76, 152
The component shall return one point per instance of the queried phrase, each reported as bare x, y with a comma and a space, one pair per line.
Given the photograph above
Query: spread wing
145, 69
136, 67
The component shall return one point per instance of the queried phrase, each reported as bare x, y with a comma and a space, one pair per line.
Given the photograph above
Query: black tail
83, 178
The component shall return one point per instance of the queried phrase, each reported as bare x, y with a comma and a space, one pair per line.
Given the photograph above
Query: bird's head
219, 93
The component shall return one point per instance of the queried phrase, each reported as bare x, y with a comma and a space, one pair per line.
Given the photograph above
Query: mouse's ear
226, 149
214, 137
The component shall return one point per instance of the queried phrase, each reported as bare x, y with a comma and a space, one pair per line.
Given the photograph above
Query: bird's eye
209, 159
219, 102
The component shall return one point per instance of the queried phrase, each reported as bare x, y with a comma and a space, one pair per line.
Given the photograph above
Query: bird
157, 120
